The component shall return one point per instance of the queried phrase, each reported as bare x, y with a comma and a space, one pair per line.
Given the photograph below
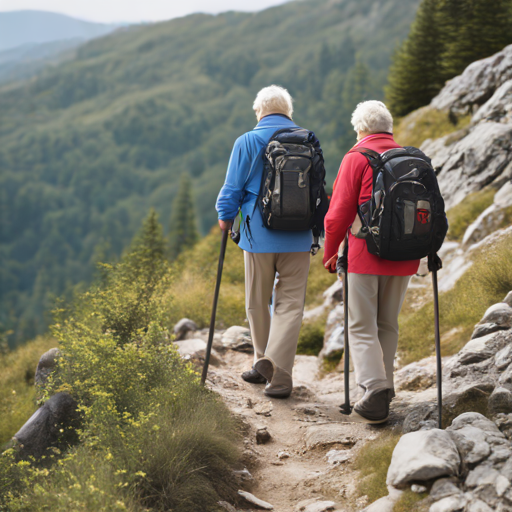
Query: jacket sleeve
232, 193
344, 202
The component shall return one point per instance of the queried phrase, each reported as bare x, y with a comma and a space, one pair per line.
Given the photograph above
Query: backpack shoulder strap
372, 156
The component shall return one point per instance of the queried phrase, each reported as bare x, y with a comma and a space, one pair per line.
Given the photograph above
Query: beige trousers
276, 337
374, 303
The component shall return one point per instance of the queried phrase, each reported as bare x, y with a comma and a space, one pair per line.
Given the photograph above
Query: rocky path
306, 465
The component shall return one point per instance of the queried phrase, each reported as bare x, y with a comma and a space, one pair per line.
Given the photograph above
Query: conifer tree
415, 75
477, 29
183, 230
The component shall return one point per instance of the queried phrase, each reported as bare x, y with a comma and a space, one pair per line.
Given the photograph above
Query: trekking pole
346, 408
438, 350
214, 307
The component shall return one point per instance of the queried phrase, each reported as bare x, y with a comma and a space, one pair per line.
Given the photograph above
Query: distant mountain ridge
18, 28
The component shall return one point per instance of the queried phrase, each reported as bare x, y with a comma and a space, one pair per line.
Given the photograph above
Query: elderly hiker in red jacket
376, 287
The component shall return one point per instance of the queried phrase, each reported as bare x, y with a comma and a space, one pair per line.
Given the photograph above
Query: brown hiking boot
374, 406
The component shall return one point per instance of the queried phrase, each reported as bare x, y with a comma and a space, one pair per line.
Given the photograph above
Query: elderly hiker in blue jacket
267, 252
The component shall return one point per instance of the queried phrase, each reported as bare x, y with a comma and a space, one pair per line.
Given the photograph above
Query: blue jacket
242, 186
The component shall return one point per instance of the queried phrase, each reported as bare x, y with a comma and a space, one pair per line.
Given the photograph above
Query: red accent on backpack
423, 216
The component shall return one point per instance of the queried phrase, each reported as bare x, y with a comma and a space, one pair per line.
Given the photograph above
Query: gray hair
372, 117
273, 100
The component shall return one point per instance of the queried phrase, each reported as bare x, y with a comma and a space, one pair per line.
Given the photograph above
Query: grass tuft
486, 282
410, 502
373, 461
427, 123
461, 216
311, 337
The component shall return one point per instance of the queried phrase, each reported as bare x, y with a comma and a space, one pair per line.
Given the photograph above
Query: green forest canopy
89, 146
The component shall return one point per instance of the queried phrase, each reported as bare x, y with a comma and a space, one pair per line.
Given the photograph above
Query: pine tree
183, 230
475, 29
415, 75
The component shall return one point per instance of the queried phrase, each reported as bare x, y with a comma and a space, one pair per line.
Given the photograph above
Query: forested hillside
88, 147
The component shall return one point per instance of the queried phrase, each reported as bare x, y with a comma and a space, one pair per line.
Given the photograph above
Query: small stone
484, 329
255, 501
263, 408
319, 506
336, 457
500, 401
500, 314
478, 506
503, 358
243, 475
508, 299
421, 456
418, 489
481, 475
283, 455
449, 504
263, 436
502, 484
183, 327
275, 463
320, 436
189, 347
227, 506
237, 338
443, 488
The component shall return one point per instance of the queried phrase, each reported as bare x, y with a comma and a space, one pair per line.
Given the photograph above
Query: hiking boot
280, 382
254, 377
373, 408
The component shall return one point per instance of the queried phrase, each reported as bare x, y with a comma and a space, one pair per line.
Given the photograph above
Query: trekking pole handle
211, 333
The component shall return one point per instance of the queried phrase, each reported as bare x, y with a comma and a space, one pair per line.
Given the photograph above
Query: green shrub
150, 435
373, 461
486, 282
461, 216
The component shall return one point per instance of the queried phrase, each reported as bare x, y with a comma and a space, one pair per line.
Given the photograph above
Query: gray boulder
454, 503
508, 299
183, 327
500, 401
500, 314
477, 84
422, 456
484, 330
51, 426
46, 366
238, 338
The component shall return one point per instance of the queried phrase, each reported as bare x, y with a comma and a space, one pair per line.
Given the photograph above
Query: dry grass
487, 282
410, 502
461, 216
373, 461
427, 123
17, 390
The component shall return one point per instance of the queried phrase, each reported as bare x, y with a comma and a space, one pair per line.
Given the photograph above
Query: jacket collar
274, 120
375, 136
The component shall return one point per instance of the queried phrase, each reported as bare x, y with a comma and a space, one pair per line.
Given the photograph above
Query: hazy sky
135, 10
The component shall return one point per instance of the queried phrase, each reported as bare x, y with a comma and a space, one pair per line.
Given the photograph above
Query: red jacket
352, 187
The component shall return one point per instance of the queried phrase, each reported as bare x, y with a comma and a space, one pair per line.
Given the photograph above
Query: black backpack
405, 217
292, 195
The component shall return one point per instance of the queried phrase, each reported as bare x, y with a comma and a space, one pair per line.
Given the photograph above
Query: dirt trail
305, 426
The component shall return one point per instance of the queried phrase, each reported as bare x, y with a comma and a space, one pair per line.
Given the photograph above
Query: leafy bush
151, 436
486, 282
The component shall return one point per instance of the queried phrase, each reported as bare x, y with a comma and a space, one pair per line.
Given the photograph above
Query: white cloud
108, 11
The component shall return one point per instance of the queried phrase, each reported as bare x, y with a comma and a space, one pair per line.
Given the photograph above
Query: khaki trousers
374, 303
276, 337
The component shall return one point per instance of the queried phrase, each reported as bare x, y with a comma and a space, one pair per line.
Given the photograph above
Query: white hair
372, 117
273, 100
